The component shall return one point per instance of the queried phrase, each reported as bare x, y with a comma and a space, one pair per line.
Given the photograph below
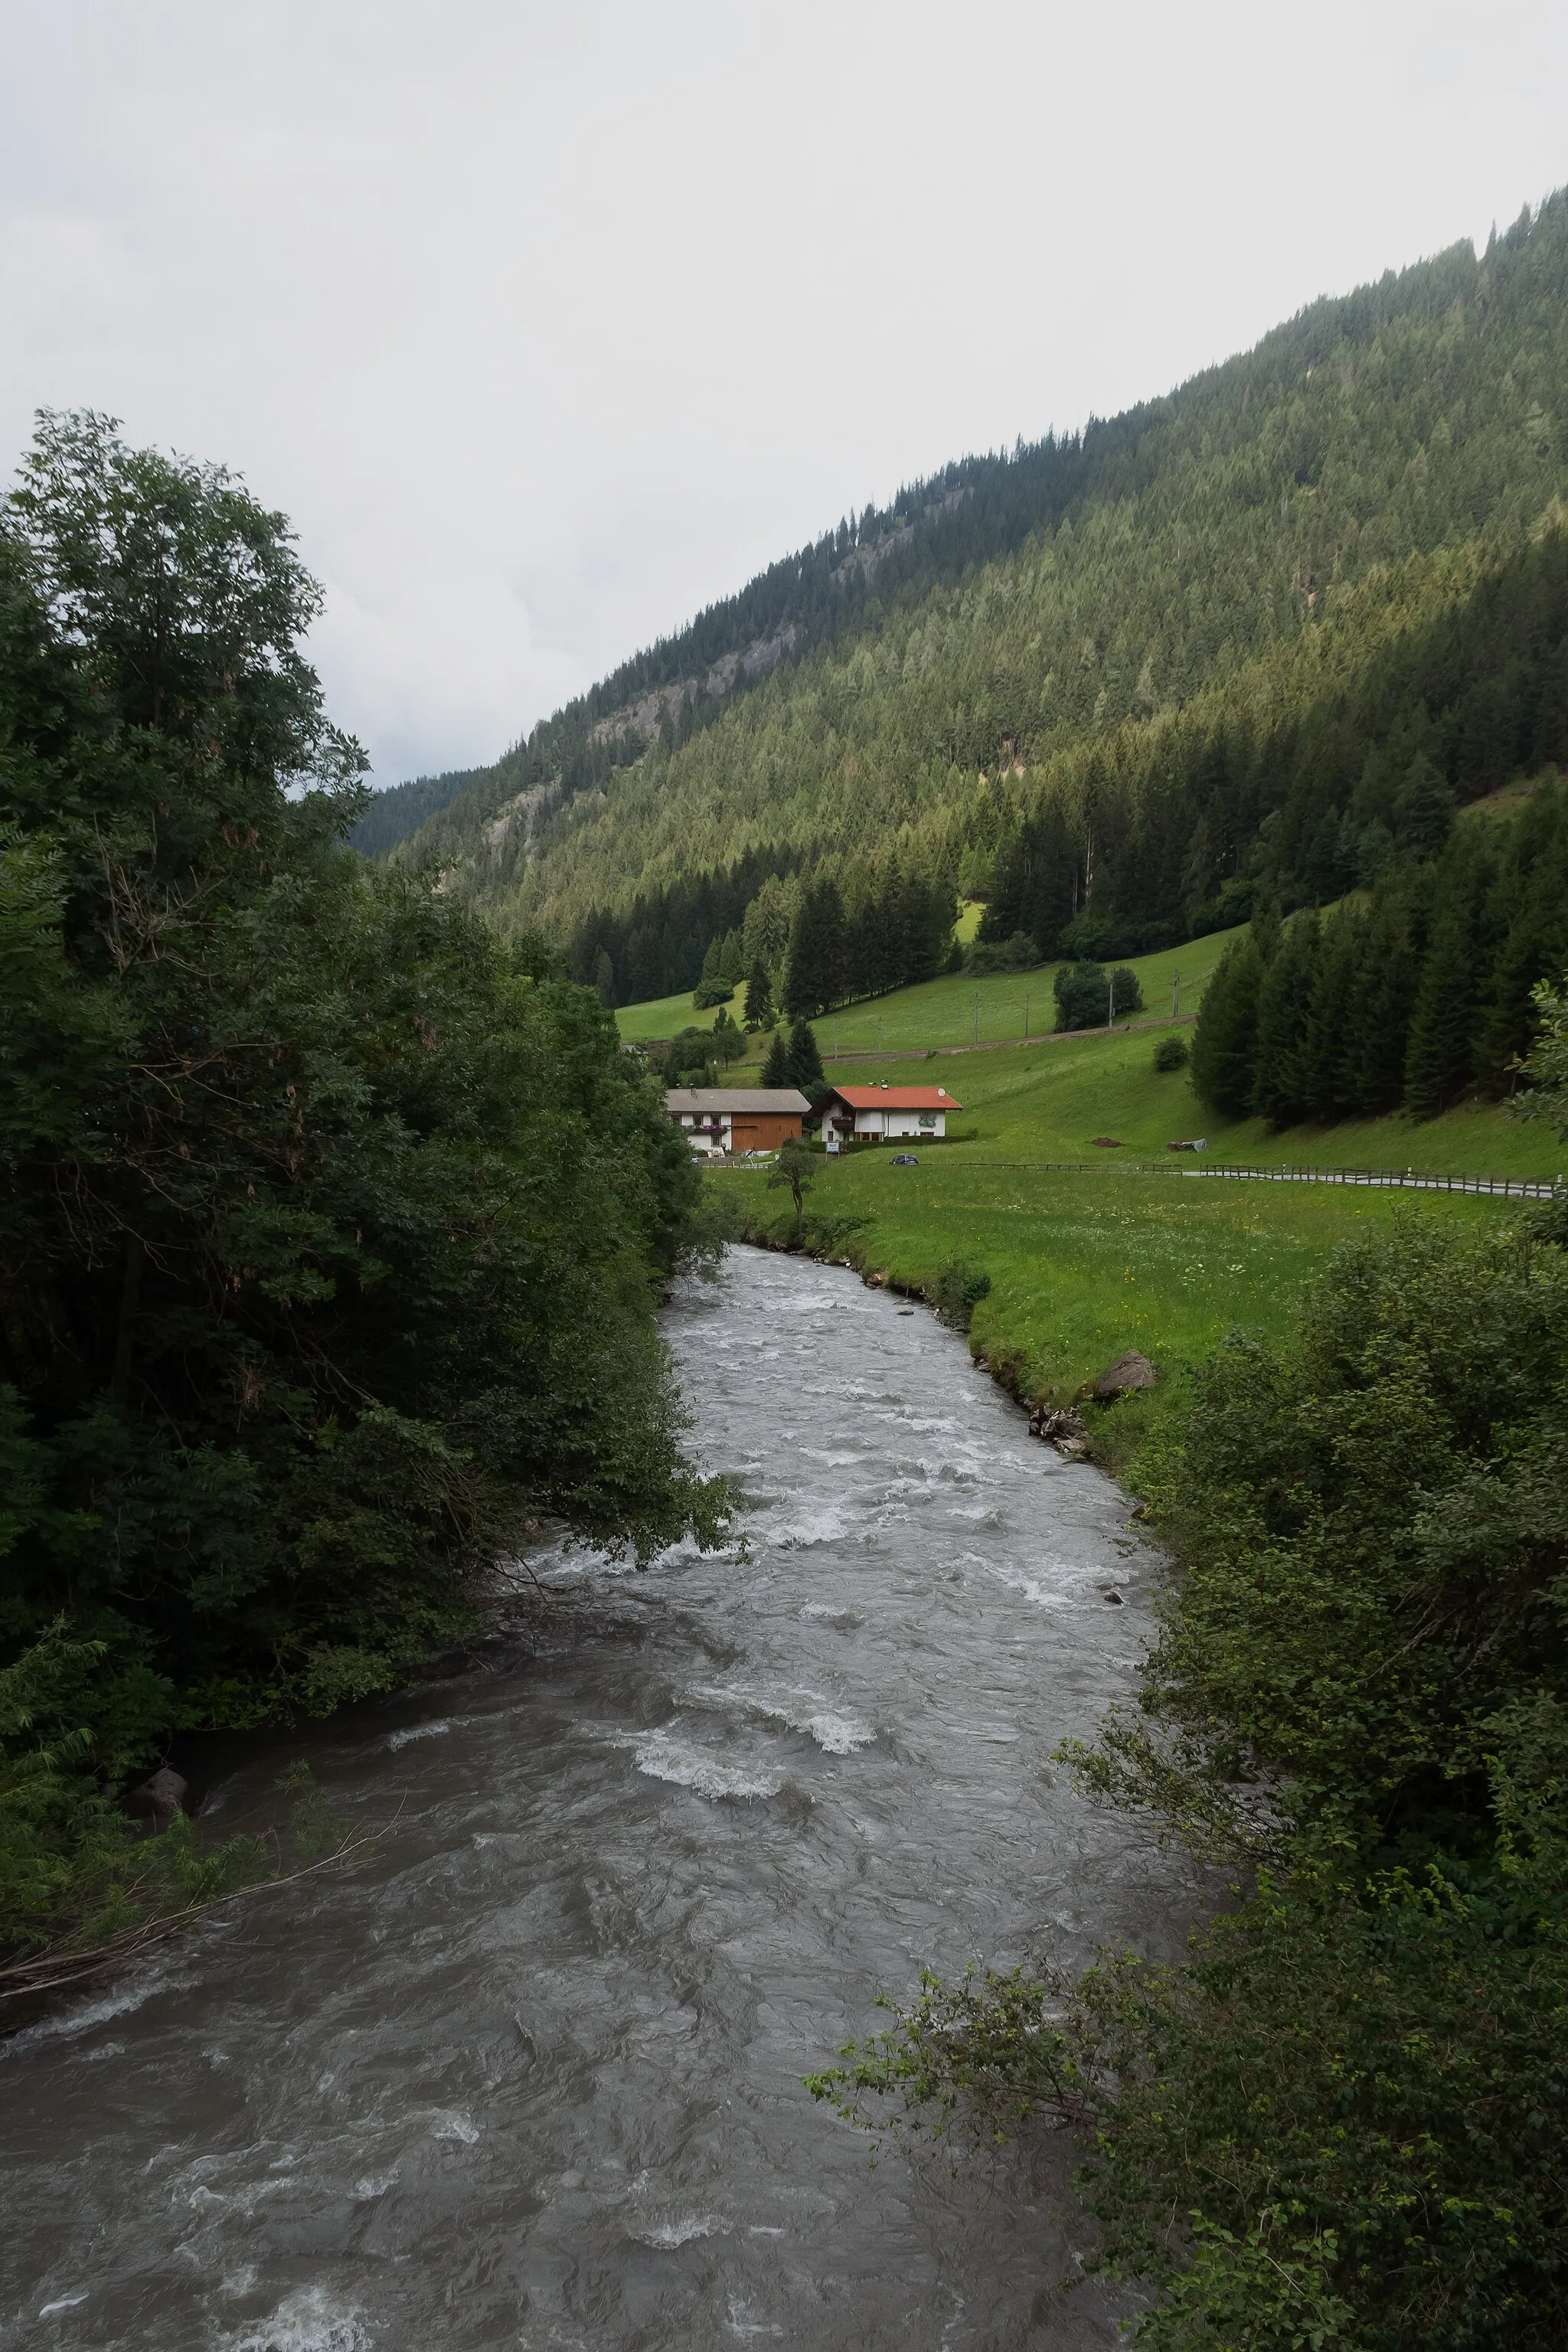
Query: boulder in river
158, 1798
1129, 1372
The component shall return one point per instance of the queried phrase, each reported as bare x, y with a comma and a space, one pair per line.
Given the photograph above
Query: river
530, 2075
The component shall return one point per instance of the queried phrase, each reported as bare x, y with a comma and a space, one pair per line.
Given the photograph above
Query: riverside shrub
1344, 2120
330, 1230
957, 1290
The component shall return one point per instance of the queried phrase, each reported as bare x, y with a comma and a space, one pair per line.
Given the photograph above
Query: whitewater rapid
529, 2074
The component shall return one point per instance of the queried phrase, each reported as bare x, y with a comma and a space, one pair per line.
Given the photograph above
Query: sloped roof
898, 1099
783, 1101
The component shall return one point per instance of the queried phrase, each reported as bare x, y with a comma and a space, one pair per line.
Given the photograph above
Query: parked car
903, 1160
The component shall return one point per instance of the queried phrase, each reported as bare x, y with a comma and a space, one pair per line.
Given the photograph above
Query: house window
928, 1118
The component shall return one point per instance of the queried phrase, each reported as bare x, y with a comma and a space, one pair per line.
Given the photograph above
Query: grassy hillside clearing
1051, 1101
665, 1016
949, 1012
958, 1011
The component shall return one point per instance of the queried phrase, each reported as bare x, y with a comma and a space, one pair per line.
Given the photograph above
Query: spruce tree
1279, 1084
1527, 932
805, 1061
1326, 874
1224, 1043
1324, 1088
1440, 1057
1423, 810
777, 1070
1378, 1027
814, 968
759, 999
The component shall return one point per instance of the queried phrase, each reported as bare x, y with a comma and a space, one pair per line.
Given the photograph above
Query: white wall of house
705, 1144
900, 1123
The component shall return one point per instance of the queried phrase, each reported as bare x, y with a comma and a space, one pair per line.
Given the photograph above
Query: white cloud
549, 324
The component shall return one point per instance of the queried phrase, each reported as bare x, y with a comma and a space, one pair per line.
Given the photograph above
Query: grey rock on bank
1129, 1372
1062, 1426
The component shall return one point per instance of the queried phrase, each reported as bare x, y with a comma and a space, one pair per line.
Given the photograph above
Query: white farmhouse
886, 1111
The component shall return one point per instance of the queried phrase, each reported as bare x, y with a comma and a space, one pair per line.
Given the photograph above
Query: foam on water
125, 1997
665, 2236
427, 1731
529, 2073
311, 2321
460, 2127
664, 1759
825, 1525
802, 1710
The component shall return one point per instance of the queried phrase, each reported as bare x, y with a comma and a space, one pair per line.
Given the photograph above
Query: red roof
897, 1098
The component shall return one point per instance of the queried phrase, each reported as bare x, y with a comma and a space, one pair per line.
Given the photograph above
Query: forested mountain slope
932, 530
1263, 634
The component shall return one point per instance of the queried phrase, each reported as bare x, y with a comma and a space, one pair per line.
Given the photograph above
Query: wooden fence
1508, 1188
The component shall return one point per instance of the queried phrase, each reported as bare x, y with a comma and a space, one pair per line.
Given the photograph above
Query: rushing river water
529, 2076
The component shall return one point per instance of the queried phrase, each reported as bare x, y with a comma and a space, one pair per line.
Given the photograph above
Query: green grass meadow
1083, 1266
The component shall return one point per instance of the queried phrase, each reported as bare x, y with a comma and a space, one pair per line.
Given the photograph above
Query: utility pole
977, 1017
1025, 1013
1175, 995
1111, 1017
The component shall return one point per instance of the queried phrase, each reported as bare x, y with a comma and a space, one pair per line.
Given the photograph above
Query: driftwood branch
55, 1970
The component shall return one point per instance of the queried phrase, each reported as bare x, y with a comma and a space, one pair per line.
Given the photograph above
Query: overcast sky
550, 323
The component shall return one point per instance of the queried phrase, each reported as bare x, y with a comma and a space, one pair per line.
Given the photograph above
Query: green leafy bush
985, 957
1172, 1053
1083, 994
957, 1290
1345, 2121
331, 1231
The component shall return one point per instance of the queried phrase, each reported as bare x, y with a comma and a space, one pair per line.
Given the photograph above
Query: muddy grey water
530, 2075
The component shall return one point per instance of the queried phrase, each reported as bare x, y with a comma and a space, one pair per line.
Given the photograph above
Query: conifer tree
1528, 919
805, 1060
1325, 1089
777, 1069
813, 968
759, 999
1422, 808
1439, 1056
1280, 1086
1224, 1042
1378, 1029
